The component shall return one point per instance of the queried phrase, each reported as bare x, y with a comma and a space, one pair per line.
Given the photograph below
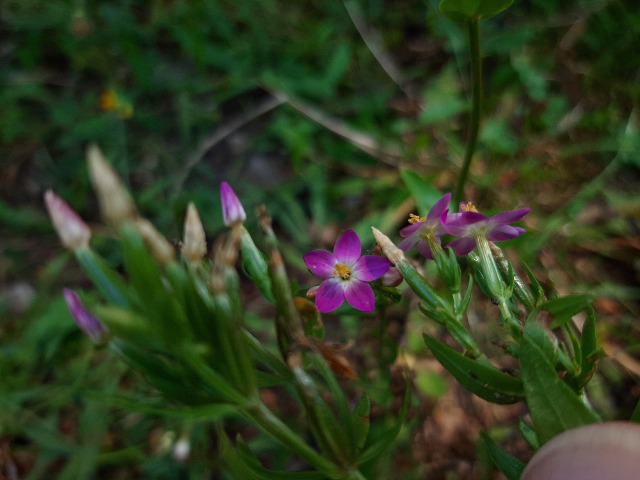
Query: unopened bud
71, 229
160, 247
115, 202
312, 292
194, 245
392, 277
88, 323
232, 209
393, 253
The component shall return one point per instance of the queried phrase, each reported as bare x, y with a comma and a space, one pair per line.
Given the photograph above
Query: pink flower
469, 225
422, 230
88, 323
232, 209
347, 274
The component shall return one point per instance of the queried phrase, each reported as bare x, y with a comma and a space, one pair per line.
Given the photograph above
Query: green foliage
554, 406
189, 80
508, 464
478, 376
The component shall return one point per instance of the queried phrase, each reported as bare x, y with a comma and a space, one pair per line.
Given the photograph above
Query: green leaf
529, 435
590, 350
242, 463
538, 291
470, 9
481, 378
389, 436
421, 189
553, 405
106, 280
507, 463
564, 308
255, 265
360, 421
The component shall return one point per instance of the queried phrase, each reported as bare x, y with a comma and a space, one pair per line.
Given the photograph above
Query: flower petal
506, 218
347, 248
360, 296
320, 262
425, 249
504, 232
458, 224
438, 209
411, 229
462, 246
330, 295
408, 243
370, 267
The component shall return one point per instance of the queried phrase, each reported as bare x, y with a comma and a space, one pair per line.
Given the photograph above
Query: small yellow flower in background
112, 101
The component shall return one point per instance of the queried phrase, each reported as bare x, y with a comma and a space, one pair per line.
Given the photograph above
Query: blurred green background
323, 110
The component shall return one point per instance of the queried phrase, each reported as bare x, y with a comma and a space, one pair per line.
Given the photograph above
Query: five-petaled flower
424, 232
347, 274
469, 225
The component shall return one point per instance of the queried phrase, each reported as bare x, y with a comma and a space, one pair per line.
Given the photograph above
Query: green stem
271, 424
473, 29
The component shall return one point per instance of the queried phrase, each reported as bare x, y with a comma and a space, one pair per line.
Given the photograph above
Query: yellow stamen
468, 207
415, 218
343, 271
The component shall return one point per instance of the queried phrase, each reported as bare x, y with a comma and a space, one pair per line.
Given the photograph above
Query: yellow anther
468, 207
415, 218
343, 271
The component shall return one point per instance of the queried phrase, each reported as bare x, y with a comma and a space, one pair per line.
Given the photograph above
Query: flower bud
115, 202
88, 323
232, 210
393, 253
194, 245
392, 277
160, 247
71, 229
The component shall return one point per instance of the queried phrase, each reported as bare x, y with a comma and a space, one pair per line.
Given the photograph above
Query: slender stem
473, 29
271, 424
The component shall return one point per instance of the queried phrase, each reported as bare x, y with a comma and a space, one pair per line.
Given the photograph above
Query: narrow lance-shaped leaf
553, 405
387, 439
564, 308
507, 463
591, 351
482, 379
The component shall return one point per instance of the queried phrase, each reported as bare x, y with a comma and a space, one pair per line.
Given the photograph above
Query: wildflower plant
178, 316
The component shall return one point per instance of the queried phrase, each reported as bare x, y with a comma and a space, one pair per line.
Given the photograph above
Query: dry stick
371, 39
223, 132
387, 154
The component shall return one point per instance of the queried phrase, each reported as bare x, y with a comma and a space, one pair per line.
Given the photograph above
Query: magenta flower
347, 274
422, 230
232, 210
469, 225
88, 323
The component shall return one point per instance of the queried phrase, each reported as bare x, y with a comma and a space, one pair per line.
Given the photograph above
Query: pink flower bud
232, 210
71, 229
392, 277
88, 323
